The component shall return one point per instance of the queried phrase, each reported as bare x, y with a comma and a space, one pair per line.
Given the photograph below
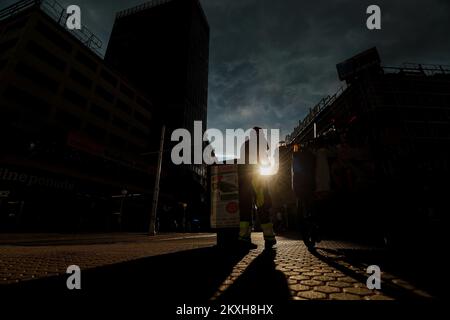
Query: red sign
232, 207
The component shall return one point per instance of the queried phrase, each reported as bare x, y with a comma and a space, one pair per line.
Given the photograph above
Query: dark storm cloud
272, 60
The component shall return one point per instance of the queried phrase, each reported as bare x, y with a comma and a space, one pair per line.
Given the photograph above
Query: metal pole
152, 230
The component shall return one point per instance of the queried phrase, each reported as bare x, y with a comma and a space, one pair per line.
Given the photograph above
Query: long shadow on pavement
260, 282
188, 276
407, 265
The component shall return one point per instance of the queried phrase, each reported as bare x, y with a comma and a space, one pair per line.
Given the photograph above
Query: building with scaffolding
398, 119
397, 94
72, 129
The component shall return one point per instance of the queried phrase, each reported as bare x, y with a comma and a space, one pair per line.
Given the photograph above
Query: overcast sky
271, 60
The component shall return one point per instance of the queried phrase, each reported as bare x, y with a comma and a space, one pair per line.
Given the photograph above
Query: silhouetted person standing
253, 190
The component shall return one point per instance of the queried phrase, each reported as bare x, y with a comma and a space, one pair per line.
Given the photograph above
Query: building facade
72, 130
163, 48
396, 122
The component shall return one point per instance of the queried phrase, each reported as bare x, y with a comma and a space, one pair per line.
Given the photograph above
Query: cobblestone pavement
324, 275
34, 257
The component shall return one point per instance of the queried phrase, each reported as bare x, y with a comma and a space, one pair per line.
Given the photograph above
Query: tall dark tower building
162, 47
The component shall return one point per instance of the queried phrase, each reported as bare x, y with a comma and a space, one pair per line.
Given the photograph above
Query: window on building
142, 118
100, 112
139, 133
108, 77
123, 106
127, 91
12, 115
86, 61
27, 101
118, 122
37, 77
80, 78
96, 132
44, 55
16, 25
132, 147
3, 63
103, 93
53, 36
74, 98
8, 45
144, 103
68, 120
117, 141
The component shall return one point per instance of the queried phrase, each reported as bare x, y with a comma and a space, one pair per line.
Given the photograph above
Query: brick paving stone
223, 287
346, 279
325, 270
312, 274
324, 278
300, 277
312, 295
344, 296
336, 274
281, 269
311, 282
339, 284
299, 287
359, 285
358, 291
327, 289
331, 274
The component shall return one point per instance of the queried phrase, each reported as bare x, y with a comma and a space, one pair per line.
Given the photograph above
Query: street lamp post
184, 205
152, 230
124, 194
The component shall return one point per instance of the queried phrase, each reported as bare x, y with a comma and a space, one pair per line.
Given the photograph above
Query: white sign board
224, 197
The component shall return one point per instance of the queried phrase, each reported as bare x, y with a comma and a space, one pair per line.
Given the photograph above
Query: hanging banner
224, 197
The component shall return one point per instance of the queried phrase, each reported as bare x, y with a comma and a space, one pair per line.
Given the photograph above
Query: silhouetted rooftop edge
426, 70
152, 4
57, 12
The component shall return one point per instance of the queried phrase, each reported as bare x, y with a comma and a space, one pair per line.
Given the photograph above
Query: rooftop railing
141, 7
152, 4
419, 68
314, 113
58, 13
406, 68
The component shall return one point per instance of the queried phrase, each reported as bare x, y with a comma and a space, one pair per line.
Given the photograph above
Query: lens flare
268, 170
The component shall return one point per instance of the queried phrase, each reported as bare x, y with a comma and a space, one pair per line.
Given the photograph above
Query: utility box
225, 217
